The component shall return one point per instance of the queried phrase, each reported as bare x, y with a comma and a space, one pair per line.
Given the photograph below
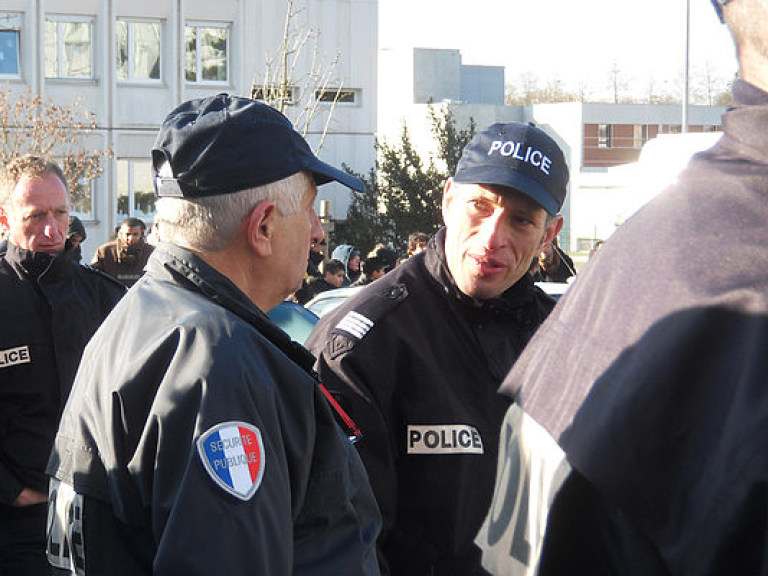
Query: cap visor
509, 179
325, 173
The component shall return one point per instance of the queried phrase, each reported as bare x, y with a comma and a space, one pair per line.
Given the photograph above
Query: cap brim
495, 176
325, 173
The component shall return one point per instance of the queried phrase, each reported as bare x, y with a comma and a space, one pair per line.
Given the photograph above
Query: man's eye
478, 206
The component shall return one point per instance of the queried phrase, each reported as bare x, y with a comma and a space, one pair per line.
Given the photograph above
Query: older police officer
50, 306
198, 441
418, 355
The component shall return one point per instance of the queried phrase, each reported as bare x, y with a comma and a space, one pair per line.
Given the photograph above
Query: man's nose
317, 230
492, 230
50, 230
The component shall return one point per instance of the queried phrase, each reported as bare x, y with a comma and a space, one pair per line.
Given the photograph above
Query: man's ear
553, 229
448, 196
260, 228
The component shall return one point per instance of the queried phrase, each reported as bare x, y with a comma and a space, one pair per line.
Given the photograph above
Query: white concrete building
132, 61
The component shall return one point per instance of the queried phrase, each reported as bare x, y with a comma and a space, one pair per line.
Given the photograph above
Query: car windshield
294, 319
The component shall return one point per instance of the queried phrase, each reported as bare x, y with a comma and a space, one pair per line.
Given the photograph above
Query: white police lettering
444, 439
14, 356
529, 155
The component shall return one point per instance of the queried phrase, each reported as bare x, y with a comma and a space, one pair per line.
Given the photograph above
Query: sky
575, 41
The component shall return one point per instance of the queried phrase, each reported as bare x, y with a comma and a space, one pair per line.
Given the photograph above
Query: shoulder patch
232, 454
356, 323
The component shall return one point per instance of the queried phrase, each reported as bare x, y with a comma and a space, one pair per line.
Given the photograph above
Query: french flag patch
233, 455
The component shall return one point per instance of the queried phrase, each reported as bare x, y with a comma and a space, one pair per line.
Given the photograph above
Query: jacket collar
195, 274
745, 122
37, 265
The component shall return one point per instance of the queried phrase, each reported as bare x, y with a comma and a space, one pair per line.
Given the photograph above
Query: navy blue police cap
224, 144
518, 156
718, 4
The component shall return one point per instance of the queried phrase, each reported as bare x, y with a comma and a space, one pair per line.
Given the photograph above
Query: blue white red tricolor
232, 454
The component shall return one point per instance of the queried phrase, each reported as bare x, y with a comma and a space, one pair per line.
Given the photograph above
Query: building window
336, 95
639, 135
270, 94
604, 135
207, 53
138, 50
68, 48
135, 193
10, 32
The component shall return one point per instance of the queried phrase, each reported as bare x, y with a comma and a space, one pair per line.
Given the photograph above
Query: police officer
199, 442
417, 356
50, 306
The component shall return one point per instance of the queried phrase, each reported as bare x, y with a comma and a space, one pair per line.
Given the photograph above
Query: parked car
294, 319
326, 301
554, 289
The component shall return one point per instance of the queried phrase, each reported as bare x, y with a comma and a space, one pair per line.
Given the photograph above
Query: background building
132, 61
599, 140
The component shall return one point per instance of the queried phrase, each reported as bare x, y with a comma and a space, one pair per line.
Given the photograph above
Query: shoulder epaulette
357, 322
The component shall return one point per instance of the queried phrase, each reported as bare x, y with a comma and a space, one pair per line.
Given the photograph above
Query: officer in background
637, 443
199, 442
417, 356
49, 308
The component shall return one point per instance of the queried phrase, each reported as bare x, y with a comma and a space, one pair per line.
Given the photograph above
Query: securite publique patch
232, 454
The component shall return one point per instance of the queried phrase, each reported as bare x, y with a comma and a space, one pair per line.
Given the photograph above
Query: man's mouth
487, 265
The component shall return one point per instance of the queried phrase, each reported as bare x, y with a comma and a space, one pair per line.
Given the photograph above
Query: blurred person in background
127, 255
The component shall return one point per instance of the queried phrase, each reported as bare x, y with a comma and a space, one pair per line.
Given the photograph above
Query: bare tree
300, 95
617, 83
30, 124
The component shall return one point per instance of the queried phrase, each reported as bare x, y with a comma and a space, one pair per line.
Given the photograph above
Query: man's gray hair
209, 224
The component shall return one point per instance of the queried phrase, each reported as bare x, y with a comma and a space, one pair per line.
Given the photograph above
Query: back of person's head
371, 265
216, 158
384, 254
417, 242
747, 21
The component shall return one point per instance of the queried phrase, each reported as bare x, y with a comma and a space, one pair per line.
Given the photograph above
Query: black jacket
418, 365
49, 308
651, 375
201, 443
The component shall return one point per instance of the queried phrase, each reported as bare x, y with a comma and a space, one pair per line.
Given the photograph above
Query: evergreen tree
403, 192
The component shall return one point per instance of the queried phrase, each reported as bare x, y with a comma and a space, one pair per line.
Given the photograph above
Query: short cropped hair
209, 223
134, 223
29, 166
333, 267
